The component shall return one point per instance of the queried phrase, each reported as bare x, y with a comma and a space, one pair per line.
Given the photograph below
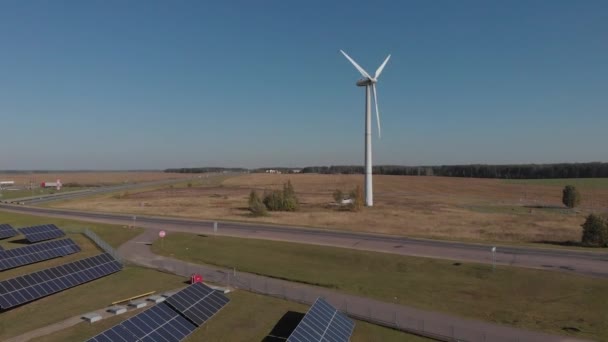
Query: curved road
37, 199
570, 261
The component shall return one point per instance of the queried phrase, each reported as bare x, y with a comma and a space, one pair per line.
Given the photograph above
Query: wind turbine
369, 82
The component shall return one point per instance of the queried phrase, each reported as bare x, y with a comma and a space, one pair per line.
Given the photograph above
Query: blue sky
144, 84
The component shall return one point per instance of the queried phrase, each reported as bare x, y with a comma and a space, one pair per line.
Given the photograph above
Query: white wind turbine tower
368, 82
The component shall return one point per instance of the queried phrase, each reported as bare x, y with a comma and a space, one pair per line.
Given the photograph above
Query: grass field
583, 183
435, 207
197, 182
248, 317
10, 194
136, 280
114, 235
534, 299
93, 178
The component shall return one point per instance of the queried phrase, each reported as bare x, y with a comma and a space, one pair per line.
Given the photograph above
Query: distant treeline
206, 169
520, 171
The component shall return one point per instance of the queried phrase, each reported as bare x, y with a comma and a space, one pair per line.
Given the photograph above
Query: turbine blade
377, 112
361, 70
379, 71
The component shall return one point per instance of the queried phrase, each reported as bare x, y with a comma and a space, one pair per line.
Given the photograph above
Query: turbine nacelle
368, 81
364, 82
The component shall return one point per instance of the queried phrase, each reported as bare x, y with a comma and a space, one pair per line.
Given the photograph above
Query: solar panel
159, 323
117, 333
41, 233
323, 323
198, 302
7, 231
16, 257
36, 285
171, 320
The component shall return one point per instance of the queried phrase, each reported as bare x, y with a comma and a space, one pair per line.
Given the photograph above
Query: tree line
519, 171
515, 171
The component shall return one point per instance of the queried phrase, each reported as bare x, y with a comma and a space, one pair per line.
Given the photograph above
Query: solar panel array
7, 231
36, 285
171, 320
34, 253
41, 233
198, 302
159, 323
323, 323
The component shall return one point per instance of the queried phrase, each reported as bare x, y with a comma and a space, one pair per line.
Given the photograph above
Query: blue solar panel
7, 231
34, 253
118, 333
171, 320
23, 289
323, 323
159, 323
41, 233
198, 302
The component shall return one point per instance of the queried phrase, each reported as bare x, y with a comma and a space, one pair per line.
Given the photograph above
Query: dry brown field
91, 178
434, 207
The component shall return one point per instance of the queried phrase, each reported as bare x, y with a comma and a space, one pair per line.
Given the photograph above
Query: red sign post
196, 278
162, 234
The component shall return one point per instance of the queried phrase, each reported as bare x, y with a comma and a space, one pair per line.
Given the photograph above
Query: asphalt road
570, 261
89, 192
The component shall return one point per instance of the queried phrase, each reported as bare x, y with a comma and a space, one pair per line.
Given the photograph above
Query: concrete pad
220, 288
117, 310
156, 299
92, 317
169, 294
138, 303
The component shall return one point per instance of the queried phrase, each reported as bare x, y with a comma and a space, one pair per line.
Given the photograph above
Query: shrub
290, 200
338, 196
273, 200
288, 190
290, 203
285, 200
357, 196
571, 197
189, 184
256, 206
595, 231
